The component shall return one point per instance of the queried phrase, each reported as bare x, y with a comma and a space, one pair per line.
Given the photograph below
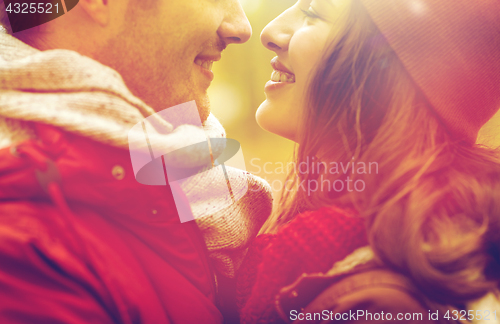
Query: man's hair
5, 23
4, 19
6, 26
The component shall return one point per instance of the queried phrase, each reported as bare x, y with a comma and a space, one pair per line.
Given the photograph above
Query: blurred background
238, 90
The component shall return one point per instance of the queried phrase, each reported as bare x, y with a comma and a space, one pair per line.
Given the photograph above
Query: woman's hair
431, 204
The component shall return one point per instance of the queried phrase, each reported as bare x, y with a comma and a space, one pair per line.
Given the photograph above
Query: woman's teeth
279, 76
204, 64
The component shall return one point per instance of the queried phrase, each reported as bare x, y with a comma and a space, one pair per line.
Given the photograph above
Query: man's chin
203, 104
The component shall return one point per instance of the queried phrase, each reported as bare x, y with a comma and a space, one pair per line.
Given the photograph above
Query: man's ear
98, 10
489, 134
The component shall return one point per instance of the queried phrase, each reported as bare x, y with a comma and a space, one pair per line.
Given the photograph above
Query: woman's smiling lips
280, 77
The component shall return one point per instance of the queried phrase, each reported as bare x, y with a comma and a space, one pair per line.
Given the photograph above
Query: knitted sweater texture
311, 243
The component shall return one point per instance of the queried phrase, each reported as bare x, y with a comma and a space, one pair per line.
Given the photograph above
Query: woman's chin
268, 119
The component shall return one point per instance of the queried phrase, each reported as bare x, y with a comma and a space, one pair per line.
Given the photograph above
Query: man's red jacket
82, 242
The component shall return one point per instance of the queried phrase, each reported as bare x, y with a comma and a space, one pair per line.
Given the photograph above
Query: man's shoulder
42, 273
32, 227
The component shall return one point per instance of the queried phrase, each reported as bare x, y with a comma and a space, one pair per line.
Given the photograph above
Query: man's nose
235, 29
277, 34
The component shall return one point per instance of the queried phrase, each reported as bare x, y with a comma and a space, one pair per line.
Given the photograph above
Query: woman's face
298, 36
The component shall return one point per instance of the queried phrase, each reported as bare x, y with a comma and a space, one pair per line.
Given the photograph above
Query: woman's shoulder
316, 238
323, 218
376, 295
329, 226
326, 213
311, 243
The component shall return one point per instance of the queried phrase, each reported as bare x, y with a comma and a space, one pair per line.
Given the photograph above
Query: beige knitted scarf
79, 95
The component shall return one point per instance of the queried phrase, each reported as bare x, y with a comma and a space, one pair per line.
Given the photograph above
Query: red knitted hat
451, 48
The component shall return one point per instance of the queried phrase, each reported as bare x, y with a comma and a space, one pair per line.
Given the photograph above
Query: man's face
165, 50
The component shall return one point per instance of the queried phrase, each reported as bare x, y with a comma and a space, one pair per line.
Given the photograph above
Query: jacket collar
308, 286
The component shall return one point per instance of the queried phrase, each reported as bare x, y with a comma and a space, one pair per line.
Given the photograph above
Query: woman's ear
98, 10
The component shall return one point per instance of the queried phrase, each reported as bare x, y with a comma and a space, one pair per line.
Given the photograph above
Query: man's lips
281, 73
206, 61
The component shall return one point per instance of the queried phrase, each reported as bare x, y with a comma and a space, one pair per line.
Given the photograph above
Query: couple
406, 84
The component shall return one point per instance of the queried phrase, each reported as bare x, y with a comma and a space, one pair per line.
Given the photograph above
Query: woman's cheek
306, 48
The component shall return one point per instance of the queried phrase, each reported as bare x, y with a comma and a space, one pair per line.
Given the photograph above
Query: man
81, 241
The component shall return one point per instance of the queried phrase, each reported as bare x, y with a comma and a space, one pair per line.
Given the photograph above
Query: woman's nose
277, 34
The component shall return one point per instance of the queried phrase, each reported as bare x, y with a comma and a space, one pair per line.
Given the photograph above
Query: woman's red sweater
311, 243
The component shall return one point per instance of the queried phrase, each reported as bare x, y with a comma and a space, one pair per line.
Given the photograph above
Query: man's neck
45, 39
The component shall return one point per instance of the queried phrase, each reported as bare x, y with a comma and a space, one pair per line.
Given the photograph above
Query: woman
398, 210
